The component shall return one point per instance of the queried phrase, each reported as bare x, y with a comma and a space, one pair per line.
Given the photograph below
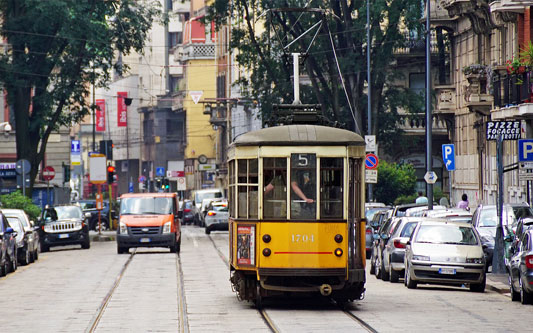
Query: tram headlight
166, 228
338, 238
267, 252
267, 238
338, 252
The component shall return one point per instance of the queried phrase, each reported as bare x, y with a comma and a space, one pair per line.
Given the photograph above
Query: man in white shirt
421, 198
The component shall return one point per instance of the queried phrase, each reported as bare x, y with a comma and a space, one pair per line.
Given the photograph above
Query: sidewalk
104, 236
498, 283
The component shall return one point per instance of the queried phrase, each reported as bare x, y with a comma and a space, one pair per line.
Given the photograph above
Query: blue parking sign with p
448, 156
525, 150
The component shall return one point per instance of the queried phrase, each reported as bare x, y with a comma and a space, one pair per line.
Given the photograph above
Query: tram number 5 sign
371, 161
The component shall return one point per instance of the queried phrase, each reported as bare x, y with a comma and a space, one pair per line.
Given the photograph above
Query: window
174, 38
231, 200
331, 179
247, 187
303, 186
275, 188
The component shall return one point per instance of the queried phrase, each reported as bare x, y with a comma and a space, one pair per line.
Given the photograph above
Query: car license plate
450, 271
145, 240
63, 235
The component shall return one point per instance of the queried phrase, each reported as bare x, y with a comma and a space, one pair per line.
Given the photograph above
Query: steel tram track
100, 312
183, 322
268, 321
262, 312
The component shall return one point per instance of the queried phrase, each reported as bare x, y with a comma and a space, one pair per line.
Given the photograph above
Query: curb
102, 238
497, 289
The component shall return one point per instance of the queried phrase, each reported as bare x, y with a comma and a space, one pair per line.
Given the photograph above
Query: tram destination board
509, 129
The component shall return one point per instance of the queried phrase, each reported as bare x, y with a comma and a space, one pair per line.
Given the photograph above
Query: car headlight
166, 228
474, 260
123, 228
420, 258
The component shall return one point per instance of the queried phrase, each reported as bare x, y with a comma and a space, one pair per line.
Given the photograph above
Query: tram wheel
258, 299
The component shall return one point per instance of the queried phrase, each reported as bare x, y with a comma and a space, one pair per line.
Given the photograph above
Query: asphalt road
75, 290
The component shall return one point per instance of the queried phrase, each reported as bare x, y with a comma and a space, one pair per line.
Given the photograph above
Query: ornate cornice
477, 12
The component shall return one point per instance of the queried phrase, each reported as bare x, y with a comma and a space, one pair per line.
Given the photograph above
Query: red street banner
100, 115
122, 111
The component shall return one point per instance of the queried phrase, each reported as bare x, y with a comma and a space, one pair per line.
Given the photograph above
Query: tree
394, 180
57, 49
18, 201
260, 33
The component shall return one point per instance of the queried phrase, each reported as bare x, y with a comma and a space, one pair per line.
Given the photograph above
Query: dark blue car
8, 247
521, 269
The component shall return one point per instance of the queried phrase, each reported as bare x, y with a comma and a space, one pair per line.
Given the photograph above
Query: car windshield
408, 229
446, 234
146, 205
68, 212
20, 216
207, 195
14, 223
488, 216
371, 212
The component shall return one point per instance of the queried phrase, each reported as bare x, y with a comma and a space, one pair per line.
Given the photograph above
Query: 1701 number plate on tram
297, 238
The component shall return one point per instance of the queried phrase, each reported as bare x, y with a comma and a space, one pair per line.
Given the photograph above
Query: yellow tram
296, 196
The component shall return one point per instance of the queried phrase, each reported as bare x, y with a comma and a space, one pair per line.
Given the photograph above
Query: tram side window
275, 188
231, 200
331, 179
303, 186
247, 187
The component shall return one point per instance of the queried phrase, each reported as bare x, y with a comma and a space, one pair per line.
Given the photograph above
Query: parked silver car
392, 266
30, 230
445, 253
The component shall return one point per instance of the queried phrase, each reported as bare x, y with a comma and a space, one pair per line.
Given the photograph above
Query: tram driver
303, 191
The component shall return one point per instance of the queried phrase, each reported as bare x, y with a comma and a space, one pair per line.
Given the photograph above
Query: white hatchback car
217, 216
443, 252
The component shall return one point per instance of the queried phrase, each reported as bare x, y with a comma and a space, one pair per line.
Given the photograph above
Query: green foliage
406, 199
394, 180
18, 201
261, 36
58, 48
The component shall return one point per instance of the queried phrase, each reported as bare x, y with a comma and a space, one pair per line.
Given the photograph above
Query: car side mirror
88, 215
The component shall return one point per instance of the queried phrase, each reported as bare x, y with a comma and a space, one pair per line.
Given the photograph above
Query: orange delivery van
148, 220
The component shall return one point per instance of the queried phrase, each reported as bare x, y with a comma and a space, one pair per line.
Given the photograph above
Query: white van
198, 198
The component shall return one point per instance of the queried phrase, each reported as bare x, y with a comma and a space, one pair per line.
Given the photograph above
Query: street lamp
5, 127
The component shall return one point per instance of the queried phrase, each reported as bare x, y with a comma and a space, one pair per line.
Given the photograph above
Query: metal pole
498, 265
369, 85
23, 180
94, 114
296, 74
429, 116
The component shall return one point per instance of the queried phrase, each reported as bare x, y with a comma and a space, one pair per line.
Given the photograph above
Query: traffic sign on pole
525, 150
430, 177
448, 156
49, 173
371, 161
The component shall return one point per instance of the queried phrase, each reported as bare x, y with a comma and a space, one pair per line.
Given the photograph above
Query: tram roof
300, 135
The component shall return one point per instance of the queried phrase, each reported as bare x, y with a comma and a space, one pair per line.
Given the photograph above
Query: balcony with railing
513, 95
415, 124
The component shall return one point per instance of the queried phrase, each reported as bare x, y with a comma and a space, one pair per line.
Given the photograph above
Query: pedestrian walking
421, 198
464, 202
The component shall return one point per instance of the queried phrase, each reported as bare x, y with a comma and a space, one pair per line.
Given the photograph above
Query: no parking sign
371, 161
